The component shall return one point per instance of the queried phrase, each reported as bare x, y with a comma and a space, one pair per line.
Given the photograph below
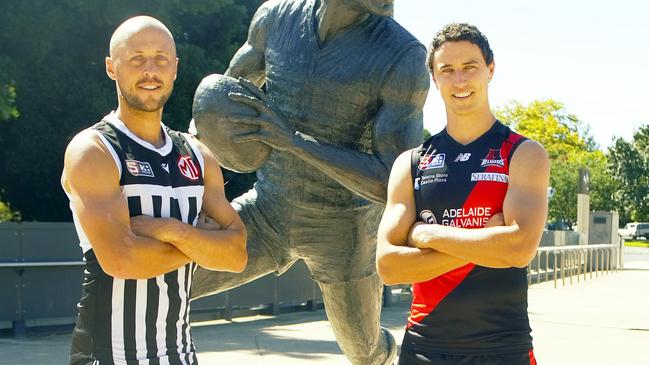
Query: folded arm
396, 262
525, 209
91, 179
222, 249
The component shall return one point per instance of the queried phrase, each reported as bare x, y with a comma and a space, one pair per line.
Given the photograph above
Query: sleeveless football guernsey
141, 321
473, 309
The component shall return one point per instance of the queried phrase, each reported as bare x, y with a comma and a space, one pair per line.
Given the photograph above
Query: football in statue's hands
210, 112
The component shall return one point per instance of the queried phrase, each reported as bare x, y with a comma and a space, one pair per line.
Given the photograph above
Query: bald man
135, 189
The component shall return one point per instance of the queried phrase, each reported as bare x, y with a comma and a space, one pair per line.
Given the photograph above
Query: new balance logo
462, 157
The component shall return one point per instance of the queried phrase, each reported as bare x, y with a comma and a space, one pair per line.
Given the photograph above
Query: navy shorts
516, 358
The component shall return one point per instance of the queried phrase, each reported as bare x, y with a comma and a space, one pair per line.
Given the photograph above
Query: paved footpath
601, 321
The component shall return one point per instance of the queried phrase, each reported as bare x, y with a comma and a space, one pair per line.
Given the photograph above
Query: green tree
7, 91
629, 166
570, 147
8, 214
427, 134
56, 50
7, 111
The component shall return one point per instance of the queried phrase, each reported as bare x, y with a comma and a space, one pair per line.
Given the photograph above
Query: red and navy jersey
473, 309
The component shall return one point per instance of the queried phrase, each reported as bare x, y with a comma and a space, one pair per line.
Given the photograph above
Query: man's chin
148, 106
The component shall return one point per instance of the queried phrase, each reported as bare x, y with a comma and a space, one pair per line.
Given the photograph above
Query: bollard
585, 253
563, 269
547, 265
555, 269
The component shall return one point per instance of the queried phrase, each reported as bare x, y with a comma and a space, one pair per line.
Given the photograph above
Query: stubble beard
136, 102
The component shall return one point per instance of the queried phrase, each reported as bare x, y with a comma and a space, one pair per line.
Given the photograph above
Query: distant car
635, 230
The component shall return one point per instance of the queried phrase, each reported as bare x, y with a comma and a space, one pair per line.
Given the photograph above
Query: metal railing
573, 262
26, 264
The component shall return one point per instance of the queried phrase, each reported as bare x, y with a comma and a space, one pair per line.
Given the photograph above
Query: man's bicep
92, 180
526, 201
399, 214
399, 120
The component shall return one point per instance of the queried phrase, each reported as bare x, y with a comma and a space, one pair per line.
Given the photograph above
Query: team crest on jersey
188, 168
138, 168
493, 158
428, 162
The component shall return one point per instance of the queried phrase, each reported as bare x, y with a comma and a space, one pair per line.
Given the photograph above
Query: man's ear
492, 67
432, 74
110, 68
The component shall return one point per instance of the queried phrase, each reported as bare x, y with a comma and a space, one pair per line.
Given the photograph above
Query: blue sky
591, 55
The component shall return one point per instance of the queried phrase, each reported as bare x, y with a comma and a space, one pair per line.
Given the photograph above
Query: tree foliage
7, 91
52, 66
570, 147
629, 166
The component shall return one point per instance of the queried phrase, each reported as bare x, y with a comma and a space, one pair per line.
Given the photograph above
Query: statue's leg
354, 310
267, 251
343, 264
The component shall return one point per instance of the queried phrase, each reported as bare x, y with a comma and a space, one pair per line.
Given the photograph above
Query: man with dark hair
136, 189
345, 87
464, 216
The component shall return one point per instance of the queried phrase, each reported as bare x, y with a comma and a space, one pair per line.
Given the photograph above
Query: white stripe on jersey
181, 314
161, 322
190, 344
146, 201
140, 319
117, 319
182, 194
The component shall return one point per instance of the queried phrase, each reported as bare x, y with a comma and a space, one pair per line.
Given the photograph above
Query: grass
636, 243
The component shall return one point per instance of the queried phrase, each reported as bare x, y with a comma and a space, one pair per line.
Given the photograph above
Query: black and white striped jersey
141, 321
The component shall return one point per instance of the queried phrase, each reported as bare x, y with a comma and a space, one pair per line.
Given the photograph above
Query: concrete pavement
601, 321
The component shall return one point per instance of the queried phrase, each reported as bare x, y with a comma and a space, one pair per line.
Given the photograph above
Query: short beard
136, 102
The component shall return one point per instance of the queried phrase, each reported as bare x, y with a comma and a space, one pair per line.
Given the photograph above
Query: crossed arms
145, 247
410, 251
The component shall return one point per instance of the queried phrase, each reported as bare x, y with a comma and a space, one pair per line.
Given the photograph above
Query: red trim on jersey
532, 359
427, 295
491, 194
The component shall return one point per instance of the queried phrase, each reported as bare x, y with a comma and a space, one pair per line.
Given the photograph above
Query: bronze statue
344, 89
